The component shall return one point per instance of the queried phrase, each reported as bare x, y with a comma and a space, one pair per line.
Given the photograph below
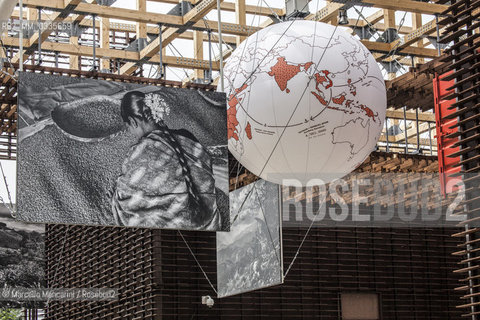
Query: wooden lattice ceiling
143, 24
118, 29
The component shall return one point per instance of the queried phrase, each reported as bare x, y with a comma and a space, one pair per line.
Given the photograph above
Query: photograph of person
167, 177
101, 153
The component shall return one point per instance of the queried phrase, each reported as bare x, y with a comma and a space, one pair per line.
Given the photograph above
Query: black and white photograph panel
249, 257
22, 254
96, 152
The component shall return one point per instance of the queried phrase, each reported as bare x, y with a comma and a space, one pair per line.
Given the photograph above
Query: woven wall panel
412, 270
102, 257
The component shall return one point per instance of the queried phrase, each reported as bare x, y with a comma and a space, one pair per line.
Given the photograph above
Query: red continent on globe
282, 72
232, 121
248, 131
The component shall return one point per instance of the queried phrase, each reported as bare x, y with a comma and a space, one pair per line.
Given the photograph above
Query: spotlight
342, 17
208, 301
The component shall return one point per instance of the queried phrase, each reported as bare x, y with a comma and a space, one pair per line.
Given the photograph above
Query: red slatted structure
447, 130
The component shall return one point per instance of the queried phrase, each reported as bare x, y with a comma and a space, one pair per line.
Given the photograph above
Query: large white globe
305, 101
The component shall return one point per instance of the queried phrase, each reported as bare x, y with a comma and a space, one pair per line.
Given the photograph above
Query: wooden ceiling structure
142, 24
130, 42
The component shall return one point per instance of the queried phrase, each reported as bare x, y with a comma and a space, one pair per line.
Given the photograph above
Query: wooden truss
193, 26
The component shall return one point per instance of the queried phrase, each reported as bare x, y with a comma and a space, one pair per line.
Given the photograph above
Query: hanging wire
266, 224
13, 213
366, 20
238, 172
173, 71
171, 45
359, 15
6, 184
393, 51
198, 263
309, 105
249, 30
273, 12
301, 244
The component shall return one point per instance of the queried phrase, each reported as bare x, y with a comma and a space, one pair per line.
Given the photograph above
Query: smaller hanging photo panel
249, 257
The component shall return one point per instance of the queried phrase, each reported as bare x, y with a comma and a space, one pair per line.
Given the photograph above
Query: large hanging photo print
107, 153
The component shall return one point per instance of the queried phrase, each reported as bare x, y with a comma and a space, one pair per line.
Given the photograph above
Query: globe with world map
306, 100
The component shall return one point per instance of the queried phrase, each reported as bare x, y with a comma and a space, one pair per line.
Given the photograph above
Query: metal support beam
405, 127
210, 77
438, 35
417, 127
430, 138
160, 51
386, 135
39, 19
219, 15
20, 3
94, 43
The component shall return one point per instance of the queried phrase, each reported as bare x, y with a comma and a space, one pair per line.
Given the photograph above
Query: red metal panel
447, 164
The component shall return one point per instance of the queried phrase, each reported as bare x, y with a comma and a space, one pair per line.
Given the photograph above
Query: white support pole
20, 48
219, 11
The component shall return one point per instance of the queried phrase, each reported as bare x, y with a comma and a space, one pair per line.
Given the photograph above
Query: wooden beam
189, 36
386, 47
105, 41
36, 37
408, 5
75, 50
141, 26
413, 140
240, 17
73, 58
32, 14
420, 52
412, 132
255, 10
398, 114
187, 63
376, 17
415, 36
401, 29
111, 12
170, 33
389, 20
326, 13
199, 11
416, 24
52, 4
135, 15
230, 6
230, 28
198, 52
131, 27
